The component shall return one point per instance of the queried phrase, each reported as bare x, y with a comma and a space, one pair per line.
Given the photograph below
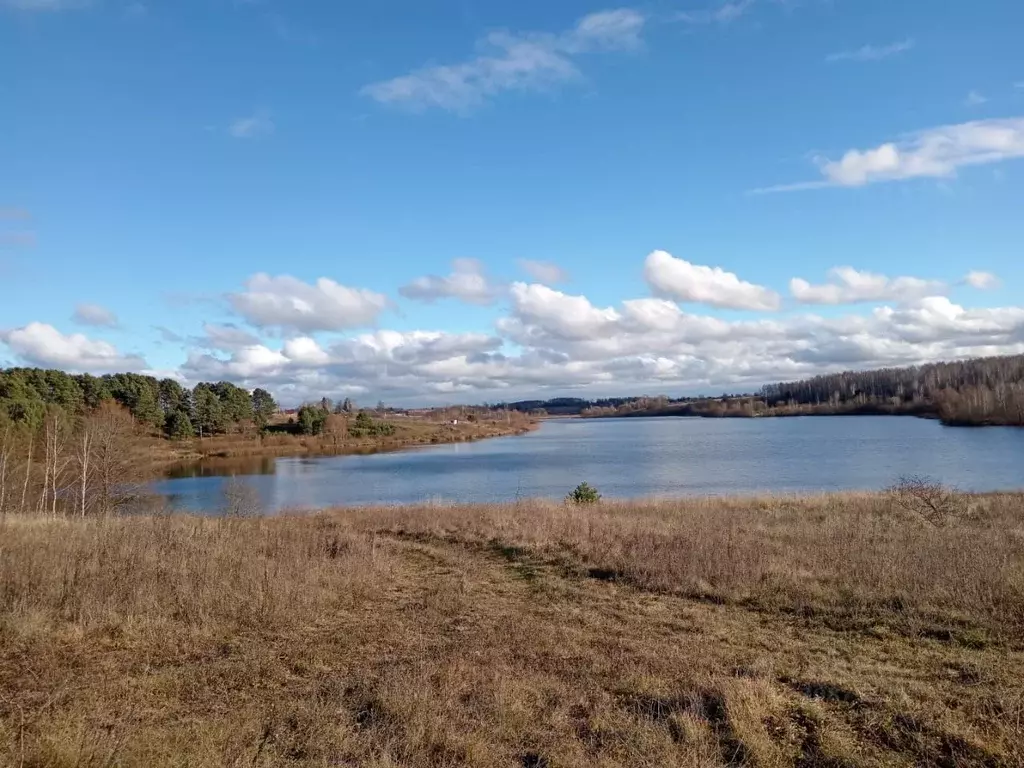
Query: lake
629, 458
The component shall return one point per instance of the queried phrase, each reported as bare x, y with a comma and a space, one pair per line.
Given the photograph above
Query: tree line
981, 391
160, 405
71, 443
988, 390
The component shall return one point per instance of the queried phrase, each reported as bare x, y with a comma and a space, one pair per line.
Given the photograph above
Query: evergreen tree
263, 406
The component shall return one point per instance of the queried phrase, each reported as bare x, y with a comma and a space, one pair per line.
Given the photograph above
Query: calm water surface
634, 457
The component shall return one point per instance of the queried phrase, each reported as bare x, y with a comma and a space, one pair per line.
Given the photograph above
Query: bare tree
28, 473
85, 447
936, 503
115, 472
6, 449
56, 432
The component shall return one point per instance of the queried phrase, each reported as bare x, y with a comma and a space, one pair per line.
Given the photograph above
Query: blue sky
664, 197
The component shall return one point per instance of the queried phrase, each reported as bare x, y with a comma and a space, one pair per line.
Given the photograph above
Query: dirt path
457, 655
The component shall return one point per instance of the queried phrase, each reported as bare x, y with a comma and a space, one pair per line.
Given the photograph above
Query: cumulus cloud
555, 343
981, 280
95, 315
850, 286
568, 317
467, 282
507, 62
872, 52
934, 153
683, 281
543, 271
43, 345
252, 127
289, 304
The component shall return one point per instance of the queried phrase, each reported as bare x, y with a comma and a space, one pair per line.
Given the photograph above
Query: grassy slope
832, 631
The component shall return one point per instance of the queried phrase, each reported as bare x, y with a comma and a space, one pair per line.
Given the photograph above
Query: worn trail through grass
336, 642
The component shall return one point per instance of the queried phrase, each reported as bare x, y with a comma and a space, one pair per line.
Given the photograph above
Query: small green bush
365, 426
583, 493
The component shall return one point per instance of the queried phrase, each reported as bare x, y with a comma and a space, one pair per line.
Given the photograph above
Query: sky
435, 201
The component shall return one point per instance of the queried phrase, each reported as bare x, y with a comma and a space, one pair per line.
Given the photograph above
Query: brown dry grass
831, 631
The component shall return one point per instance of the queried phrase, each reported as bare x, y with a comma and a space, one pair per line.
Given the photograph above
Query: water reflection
225, 467
628, 458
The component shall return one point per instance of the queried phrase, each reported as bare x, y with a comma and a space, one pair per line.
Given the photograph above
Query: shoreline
256, 449
682, 413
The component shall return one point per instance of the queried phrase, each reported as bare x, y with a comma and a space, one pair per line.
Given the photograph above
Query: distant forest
979, 392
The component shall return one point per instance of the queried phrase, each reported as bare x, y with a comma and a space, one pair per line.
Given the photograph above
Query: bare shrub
939, 504
241, 499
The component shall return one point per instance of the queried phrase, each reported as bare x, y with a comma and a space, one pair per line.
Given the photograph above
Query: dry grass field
830, 631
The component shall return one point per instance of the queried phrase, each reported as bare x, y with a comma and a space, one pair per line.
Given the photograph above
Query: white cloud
872, 52
683, 281
551, 343
509, 61
617, 30
543, 271
975, 99
554, 343
981, 280
466, 282
43, 345
850, 286
934, 153
568, 317
289, 304
252, 127
94, 314
723, 14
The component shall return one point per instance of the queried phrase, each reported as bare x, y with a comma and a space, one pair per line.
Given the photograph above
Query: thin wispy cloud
543, 271
252, 127
512, 62
289, 32
872, 52
95, 315
983, 281
16, 238
934, 153
43, 5
25, 239
975, 99
722, 14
